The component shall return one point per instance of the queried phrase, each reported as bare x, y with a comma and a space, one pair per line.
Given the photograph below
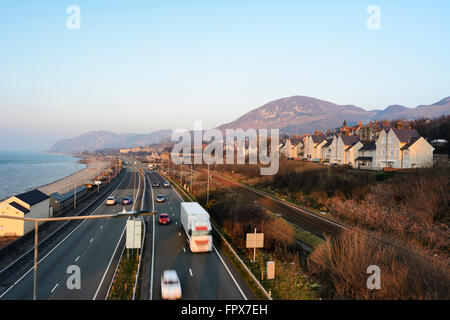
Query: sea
21, 171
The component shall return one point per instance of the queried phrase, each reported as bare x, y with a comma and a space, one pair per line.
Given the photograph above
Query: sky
140, 66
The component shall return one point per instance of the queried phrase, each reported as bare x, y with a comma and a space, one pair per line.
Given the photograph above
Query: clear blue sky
140, 66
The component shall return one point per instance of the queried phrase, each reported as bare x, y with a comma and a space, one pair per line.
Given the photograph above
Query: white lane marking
153, 242
101, 227
109, 264
223, 262
54, 232
77, 258
115, 250
190, 271
91, 240
176, 222
179, 234
54, 248
184, 249
54, 288
235, 282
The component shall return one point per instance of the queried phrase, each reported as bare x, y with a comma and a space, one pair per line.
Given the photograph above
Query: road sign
134, 234
255, 240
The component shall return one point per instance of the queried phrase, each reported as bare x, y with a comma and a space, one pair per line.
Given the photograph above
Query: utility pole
75, 196
207, 191
192, 185
181, 174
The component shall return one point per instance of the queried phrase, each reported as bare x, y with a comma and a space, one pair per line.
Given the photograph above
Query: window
392, 140
406, 152
391, 152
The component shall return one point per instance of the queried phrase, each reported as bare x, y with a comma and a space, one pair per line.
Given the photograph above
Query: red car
164, 218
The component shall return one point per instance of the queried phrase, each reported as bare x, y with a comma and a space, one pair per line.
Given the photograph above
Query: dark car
126, 200
164, 218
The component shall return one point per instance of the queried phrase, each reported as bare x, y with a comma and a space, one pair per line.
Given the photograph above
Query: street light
135, 214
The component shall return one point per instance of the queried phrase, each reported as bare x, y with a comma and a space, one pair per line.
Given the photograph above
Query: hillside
300, 114
95, 140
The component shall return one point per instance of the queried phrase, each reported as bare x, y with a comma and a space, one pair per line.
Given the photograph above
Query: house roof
32, 197
328, 143
350, 140
404, 135
410, 143
19, 207
318, 138
368, 146
296, 141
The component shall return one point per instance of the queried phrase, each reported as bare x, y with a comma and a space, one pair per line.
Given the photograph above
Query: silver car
170, 285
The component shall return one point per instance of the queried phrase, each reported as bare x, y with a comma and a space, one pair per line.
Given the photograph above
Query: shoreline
93, 168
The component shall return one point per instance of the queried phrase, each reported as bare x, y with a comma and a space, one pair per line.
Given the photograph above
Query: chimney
360, 123
399, 125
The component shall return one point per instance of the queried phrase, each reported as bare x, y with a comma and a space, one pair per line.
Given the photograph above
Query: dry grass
405, 273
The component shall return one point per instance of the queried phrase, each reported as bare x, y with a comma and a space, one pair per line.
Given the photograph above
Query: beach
94, 167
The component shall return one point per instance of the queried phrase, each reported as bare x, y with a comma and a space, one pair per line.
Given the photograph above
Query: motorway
206, 275
93, 246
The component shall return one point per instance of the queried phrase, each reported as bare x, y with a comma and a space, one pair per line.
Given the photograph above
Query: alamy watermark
74, 280
256, 145
74, 20
374, 20
374, 281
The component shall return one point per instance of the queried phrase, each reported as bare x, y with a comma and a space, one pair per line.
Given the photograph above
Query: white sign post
255, 240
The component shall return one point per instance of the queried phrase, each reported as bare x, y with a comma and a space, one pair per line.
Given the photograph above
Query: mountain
95, 140
300, 114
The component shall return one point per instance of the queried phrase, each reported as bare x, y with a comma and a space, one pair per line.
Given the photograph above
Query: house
366, 157
32, 204
313, 146
402, 148
416, 153
326, 150
343, 149
293, 148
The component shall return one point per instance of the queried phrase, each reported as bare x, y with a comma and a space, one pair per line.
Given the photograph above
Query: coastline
93, 168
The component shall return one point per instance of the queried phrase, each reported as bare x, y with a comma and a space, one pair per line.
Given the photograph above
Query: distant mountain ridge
96, 140
301, 114
292, 115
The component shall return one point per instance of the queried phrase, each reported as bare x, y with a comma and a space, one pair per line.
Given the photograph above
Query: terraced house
344, 149
313, 146
402, 148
